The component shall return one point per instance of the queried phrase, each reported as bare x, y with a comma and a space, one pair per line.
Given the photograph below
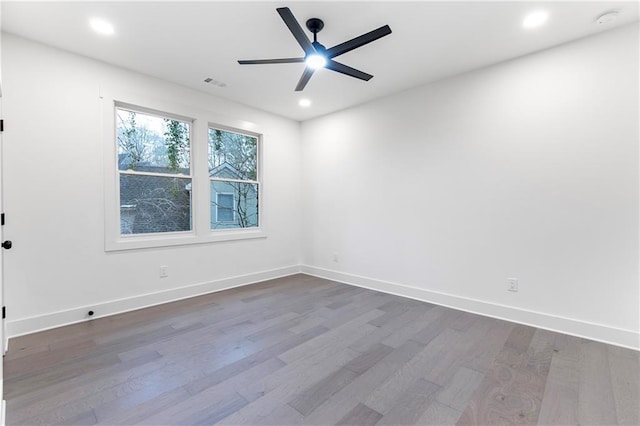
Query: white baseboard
34, 324
589, 330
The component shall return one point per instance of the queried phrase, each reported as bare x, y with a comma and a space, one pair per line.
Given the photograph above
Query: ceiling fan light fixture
316, 61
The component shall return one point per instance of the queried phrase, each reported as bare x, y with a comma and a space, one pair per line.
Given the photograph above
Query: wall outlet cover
164, 271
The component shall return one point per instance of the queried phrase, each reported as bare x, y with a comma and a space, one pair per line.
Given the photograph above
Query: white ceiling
186, 42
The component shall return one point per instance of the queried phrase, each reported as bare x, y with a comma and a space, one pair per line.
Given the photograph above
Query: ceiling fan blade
306, 75
296, 30
358, 41
347, 70
270, 61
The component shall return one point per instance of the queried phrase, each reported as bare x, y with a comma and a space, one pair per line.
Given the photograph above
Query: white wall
526, 169
53, 193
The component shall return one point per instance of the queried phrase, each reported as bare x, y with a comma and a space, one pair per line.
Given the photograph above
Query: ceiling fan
316, 55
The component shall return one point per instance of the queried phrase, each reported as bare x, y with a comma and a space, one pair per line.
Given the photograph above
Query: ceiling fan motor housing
315, 25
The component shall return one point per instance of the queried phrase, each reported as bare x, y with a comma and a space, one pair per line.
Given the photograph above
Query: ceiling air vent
213, 82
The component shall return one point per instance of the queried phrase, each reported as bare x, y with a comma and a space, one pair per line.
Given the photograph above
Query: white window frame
200, 121
153, 113
257, 181
233, 211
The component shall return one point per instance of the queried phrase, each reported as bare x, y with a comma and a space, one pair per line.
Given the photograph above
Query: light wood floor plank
512, 390
596, 405
411, 405
278, 388
360, 415
625, 369
141, 411
406, 332
457, 393
314, 366
312, 397
560, 401
359, 389
387, 393
389, 326
439, 414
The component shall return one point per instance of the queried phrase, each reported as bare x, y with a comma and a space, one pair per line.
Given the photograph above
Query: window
154, 173
173, 178
224, 207
233, 172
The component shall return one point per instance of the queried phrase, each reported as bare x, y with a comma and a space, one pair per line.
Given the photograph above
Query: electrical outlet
164, 271
335, 257
512, 284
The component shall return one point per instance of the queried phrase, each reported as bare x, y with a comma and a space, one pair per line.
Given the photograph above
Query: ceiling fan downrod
315, 25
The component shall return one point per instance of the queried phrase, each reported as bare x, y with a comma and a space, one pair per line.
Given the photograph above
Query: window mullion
170, 175
200, 171
217, 179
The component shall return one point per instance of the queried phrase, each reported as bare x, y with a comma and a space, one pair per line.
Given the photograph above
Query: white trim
589, 330
34, 324
249, 182
157, 113
153, 174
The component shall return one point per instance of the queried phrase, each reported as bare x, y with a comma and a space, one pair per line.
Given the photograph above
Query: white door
2, 324
3, 333
5, 245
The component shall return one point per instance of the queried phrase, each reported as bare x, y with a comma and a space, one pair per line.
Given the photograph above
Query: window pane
148, 143
232, 155
224, 207
154, 204
234, 205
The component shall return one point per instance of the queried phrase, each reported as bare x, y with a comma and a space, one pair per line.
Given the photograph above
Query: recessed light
535, 19
101, 26
304, 102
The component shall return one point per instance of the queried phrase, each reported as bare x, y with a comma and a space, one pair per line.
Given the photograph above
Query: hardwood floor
302, 350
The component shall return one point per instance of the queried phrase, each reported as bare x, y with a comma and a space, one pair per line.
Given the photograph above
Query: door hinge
4, 312
1, 125
1, 219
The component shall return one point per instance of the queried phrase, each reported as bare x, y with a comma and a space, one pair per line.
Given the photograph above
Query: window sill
138, 242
